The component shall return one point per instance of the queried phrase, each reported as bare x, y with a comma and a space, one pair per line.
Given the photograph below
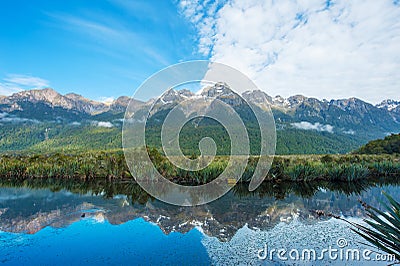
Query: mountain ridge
302, 123
50, 95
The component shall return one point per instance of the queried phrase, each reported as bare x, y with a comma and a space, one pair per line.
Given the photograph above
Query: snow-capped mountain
352, 117
389, 105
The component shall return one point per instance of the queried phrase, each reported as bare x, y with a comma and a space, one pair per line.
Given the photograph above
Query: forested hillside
52, 137
388, 145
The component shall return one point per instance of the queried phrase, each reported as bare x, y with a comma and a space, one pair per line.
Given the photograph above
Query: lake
46, 222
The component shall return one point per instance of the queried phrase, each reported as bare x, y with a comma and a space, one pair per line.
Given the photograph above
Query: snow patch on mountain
388, 104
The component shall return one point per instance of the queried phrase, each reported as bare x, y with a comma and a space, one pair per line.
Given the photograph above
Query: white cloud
105, 124
309, 126
350, 132
344, 49
107, 100
24, 80
6, 118
8, 89
13, 83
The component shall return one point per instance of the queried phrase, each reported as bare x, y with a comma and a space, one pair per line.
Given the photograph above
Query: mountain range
46, 120
221, 219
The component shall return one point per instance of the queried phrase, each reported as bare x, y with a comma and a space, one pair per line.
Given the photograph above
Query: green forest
42, 137
388, 145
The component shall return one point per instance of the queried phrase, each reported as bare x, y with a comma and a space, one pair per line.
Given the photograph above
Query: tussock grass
111, 165
79, 166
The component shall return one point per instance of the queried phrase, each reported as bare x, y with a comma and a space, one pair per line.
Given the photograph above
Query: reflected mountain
27, 206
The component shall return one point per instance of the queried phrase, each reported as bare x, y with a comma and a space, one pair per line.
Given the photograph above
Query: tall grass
82, 166
111, 165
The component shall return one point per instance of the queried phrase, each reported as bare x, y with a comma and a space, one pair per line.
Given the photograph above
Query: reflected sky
97, 228
93, 242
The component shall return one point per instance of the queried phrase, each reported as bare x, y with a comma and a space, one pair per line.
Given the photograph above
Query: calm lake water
64, 222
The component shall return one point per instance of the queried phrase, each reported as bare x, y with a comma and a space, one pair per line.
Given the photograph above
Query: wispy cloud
143, 10
109, 36
8, 89
106, 100
24, 80
13, 83
7, 118
316, 126
325, 49
106, 31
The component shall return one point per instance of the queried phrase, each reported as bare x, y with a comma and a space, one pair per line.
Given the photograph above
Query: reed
111, 165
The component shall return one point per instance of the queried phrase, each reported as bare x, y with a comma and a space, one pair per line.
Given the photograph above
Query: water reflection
33, 204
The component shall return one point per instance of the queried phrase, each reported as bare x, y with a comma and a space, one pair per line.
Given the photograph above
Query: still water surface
47, 223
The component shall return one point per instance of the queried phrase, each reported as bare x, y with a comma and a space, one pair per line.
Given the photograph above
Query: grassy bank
334, 167
111, 165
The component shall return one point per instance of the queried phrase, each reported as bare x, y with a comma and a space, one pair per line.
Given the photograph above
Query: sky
105, 49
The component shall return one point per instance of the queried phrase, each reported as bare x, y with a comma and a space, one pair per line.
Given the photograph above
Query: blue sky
95, 48
102, 49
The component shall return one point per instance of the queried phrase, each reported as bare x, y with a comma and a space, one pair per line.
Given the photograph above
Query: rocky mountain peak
257, 96
279, 101
218, 89
51, 98
296, 100
185, 93
389, 104
119, 105
122, 100
351, 104
47, 95
74, 96
170, 96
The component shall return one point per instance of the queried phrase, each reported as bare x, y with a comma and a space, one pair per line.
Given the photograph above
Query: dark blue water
42, 227
89, 242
